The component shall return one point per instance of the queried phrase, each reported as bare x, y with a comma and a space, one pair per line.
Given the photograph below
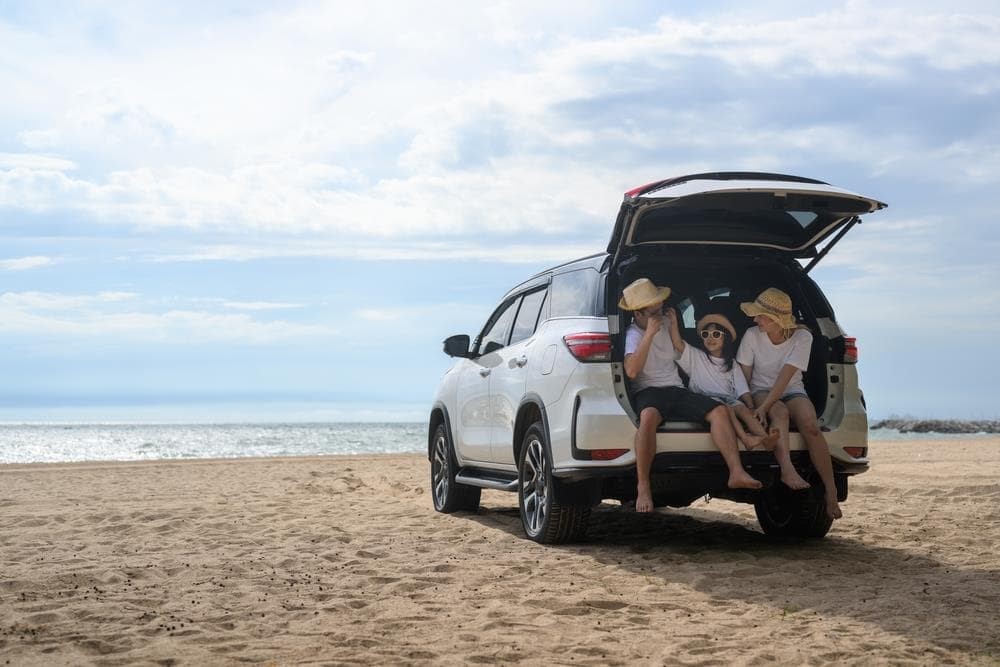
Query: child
773, 355
660, 393
711, 373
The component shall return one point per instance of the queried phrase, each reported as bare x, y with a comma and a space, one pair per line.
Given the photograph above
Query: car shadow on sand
896, 589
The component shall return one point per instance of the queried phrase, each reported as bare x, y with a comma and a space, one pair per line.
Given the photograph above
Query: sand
341, 560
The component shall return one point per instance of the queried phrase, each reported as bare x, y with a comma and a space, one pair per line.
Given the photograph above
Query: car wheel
545, 520
448, 495
782, 512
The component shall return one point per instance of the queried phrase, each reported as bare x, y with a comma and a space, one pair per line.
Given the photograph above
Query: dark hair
728, 344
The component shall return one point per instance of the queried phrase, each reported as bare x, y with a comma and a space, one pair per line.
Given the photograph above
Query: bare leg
750, 441
782, 448
745, 422
768, 439
645, 449
804, 415
724, 438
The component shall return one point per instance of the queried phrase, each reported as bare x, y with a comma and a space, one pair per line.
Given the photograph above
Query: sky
275, 211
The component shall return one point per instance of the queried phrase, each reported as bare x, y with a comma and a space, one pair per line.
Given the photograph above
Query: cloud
44, 315
371, 141
25, 263
556, 250
260, 305
35, 162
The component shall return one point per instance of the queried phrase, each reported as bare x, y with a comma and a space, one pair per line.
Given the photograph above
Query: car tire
782, 512
448, 495
544, 519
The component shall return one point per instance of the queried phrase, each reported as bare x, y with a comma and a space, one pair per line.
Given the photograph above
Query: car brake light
606, 454
589, 346
850, 350
856, 452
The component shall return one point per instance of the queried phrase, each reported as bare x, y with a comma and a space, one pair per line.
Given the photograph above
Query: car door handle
483, 372
521, 361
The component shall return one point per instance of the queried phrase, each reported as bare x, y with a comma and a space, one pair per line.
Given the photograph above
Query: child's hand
760, 414
671, 316
653, 325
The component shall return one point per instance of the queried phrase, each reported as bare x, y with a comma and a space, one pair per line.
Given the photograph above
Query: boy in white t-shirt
660, 393
773, 355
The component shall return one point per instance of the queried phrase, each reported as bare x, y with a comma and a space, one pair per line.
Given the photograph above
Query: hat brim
753, 309
663, 295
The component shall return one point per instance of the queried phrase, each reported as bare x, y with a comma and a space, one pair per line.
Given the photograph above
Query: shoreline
341, 559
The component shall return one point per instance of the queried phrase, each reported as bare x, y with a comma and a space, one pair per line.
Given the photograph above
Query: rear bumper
598, 422
672, 463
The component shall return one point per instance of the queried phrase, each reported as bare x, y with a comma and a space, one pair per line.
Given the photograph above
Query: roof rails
718, 176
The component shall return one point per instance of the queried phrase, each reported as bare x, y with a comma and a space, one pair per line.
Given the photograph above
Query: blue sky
268, 211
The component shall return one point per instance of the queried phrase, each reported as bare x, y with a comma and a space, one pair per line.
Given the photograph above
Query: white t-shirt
708, 374
660, 369
767, 359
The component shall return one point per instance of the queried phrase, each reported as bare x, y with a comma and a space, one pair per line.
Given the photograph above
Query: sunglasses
714, 334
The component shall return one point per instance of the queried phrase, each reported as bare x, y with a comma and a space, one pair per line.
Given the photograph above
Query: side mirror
457, 346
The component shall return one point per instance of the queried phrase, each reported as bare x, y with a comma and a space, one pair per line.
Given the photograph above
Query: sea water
43, 443
50, 443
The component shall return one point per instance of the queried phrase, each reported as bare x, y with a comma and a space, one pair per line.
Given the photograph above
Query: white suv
539, 403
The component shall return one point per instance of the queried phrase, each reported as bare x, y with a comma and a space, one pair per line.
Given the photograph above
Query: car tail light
856, 452
589, 346
850, 350
606, 454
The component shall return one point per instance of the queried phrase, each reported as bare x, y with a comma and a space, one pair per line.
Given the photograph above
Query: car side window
527, 316
574, 293
496, 335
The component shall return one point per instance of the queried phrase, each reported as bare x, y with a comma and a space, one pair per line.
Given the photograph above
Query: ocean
50, 443
53, 443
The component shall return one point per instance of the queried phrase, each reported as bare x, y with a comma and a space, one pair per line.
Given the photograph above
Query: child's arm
635, 362
740, 385
675, 332
773, 396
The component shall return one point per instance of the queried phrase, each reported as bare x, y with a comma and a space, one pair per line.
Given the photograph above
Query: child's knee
650, 417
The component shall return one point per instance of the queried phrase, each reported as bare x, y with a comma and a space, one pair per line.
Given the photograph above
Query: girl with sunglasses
711, 371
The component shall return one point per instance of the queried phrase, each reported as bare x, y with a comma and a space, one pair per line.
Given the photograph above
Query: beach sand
342, 560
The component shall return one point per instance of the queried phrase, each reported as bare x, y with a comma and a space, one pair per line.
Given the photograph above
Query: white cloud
260, 305
35, 162
25, 263
505, 252
40, 314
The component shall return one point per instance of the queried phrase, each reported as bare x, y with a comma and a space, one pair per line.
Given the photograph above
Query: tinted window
497, 332
527, 316
574, 293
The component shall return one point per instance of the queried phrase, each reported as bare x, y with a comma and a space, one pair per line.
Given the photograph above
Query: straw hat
772, 303
642, 293
719, 319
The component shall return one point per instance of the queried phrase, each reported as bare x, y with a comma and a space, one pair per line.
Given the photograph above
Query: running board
487, 479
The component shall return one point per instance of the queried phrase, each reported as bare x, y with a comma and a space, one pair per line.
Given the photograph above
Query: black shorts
675, 403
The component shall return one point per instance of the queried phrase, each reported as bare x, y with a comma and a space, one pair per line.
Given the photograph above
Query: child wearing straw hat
660, 392
773, 355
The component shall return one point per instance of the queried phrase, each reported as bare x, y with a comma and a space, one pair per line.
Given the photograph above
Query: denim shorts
675, 403
784, 397
726, 400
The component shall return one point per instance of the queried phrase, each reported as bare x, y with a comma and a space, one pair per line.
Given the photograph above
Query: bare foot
741, 479
751, 441
769, 441
833, 508
793, 481
644, 501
